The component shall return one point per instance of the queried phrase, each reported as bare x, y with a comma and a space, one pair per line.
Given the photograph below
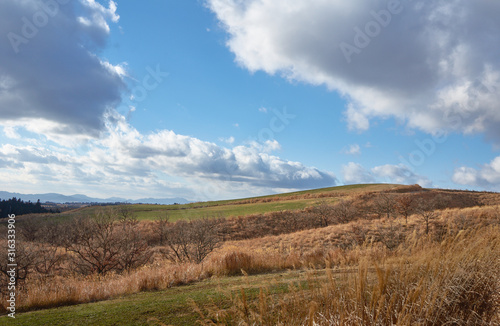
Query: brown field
368, 260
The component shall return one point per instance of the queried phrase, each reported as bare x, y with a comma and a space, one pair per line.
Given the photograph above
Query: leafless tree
49, 259
405, 206
106, 242
192, 241
92, 243
343, 211
134, 250
290, 221
177, 240
161, 228
25, 258
384, 204
323, 212
204, 237
427, 210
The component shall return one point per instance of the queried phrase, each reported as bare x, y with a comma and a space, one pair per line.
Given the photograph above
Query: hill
254, 205
354, 253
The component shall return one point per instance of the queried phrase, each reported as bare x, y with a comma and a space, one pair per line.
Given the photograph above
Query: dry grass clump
455, 282
59, 291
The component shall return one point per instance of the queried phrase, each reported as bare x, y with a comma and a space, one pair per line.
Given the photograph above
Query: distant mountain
58, 198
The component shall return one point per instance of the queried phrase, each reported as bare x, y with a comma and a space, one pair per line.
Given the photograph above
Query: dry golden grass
408, 260
59, 291
455, 282
359, 232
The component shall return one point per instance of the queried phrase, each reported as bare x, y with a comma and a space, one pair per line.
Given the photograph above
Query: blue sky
222, 99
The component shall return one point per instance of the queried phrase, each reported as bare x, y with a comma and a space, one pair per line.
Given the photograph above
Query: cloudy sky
214, 99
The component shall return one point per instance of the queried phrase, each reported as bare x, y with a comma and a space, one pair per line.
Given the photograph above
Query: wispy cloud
229, 140
354, 149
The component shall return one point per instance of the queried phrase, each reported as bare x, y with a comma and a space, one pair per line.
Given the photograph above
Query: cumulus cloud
488, 176
400, 174
432, 64
160, 162
51, 80
186, 156
356, 173
354, 149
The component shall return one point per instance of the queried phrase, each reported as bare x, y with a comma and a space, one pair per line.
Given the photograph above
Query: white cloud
10, 131
263, 109
229, 140
431, 64
51, 80
164, 163
354, 149
355, 173
488, 176
399, 174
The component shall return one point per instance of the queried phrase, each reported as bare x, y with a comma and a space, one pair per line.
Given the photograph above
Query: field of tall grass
423, 282
370, 267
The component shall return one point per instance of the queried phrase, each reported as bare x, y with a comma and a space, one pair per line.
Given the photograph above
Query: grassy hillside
347, 258
247, 206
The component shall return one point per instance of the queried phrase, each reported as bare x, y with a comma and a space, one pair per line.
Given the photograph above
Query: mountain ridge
79, 198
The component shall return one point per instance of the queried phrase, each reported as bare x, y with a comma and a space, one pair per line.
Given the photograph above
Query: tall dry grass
455, 282
59, 291
339, 246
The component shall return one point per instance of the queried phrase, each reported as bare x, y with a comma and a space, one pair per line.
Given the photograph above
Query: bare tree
323, 212
29, 228
25, 259
343, 211
290, 221
134, 250
405, 206
192, 241
204, 237
106, 242
92, 242
177, 240
427, 210
384, 204
161, 228
125, 213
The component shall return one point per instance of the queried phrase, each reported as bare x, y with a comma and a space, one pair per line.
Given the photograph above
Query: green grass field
169, 307
153, 212
239, 207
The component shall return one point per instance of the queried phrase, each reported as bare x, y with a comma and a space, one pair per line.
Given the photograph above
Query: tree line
17, 206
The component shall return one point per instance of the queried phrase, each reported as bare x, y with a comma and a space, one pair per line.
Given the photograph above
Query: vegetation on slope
112, 254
